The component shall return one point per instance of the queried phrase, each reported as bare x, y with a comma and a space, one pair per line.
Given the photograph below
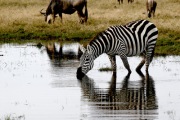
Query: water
36, 83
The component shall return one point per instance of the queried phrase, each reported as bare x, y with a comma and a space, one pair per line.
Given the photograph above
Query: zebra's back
137, 36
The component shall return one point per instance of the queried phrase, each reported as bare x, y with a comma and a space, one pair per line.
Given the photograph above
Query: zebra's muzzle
79, 73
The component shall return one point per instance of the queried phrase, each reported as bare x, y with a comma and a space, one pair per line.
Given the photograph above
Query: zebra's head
86, 61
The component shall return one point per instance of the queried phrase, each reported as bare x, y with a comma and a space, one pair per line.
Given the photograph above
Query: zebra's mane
96, 37
132, 23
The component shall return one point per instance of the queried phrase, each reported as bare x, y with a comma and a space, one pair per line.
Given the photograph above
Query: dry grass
101, 15
20, 19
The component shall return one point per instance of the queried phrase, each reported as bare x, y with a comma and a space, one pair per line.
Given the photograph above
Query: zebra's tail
152, 54
153, 42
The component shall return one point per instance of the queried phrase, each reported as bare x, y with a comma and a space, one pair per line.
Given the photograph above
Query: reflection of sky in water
34, 86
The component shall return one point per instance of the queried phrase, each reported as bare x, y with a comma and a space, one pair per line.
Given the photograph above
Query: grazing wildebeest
67, 7
151, 7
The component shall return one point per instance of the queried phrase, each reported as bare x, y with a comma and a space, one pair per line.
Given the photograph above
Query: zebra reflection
125, 98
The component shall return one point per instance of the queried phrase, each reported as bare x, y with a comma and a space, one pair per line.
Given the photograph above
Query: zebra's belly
128, 53
134, 53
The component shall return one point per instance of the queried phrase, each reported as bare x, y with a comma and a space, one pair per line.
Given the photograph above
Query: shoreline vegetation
21, 21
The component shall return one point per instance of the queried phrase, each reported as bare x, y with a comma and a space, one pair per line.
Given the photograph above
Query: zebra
135, 38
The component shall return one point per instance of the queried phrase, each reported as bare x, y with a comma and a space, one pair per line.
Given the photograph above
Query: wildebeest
151, 7
67, 7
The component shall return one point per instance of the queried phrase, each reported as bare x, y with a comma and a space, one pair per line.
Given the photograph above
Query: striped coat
128, 40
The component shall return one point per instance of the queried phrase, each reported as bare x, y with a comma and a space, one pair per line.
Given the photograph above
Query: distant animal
151, 7
135, 38
130, 1
67, 7
120, 1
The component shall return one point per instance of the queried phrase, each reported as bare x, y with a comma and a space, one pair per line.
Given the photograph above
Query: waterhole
39, 83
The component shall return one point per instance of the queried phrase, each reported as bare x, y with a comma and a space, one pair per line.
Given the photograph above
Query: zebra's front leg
126, 64
113, 62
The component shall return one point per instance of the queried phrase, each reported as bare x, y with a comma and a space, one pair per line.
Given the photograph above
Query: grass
20, 20
13, 117
106, 69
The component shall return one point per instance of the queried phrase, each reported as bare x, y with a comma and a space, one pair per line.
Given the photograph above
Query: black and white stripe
127, 40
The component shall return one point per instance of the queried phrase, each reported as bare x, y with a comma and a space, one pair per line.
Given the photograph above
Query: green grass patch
106, 69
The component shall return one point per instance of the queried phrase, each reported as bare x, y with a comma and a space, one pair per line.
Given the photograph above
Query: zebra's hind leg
149, 57
138, 68
148, 61
113, 62
125, 62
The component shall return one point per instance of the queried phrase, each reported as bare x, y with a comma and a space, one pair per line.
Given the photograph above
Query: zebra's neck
98, 46
96, 52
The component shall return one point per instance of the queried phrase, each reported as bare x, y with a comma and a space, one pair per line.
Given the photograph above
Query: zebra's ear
82, 48
89, 50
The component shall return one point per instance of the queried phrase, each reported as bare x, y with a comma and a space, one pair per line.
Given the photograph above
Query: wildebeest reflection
125, 98
55, 52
